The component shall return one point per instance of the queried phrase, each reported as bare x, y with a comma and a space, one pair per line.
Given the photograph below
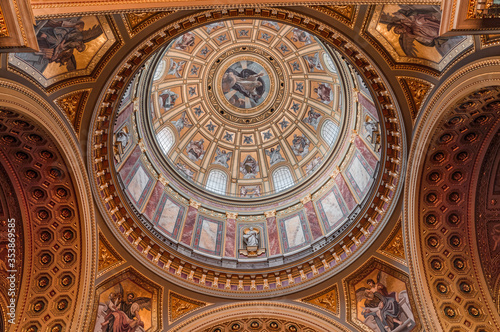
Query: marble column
187, 230
312, 217
230, 241
272, 233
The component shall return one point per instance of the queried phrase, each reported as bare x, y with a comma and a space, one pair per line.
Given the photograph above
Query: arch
329, 132
166, 139
217, 181
431, 130
285, 314
56, 130
282, 179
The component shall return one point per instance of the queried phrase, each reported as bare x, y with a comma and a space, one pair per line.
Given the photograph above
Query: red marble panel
369, 157
124, 115
368, 105
312, 218
154, 200
130, 162
187, 230
345, 192
272, 233
230, 238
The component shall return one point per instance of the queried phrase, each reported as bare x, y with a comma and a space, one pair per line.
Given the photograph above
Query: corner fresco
69, 47
128, 302
380, 299
410, 34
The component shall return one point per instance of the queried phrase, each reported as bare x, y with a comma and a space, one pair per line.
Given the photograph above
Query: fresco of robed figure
245, 84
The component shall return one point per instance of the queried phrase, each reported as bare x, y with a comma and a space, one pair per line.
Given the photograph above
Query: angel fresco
324, 93
313, 118
120, 314
418, 24
249, 167
274, 155
222, 157
243, 84
382, 310
58, 39
185, 41
195, 150
301, 36
167, 99
182, 122
300, 145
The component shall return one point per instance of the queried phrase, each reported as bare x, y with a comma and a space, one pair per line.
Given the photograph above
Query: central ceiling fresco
238, 106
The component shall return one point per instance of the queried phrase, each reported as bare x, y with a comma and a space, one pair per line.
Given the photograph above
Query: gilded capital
306, 199
231, 215
270, 214
194, 204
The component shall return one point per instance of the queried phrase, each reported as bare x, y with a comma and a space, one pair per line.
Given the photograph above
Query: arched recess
57, 214
283, 315
449, 146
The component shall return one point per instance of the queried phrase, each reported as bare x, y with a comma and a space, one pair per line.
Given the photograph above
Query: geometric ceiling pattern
247, 166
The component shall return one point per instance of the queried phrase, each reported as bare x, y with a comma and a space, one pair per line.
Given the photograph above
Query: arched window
329, 132
282, 179
166, 139
217, 181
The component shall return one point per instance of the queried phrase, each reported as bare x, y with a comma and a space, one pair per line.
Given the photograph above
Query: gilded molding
416, 92
108, 258
394, 247
73, 105
179, 306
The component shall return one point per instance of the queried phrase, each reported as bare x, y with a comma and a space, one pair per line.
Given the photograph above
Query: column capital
194, 204
270, 214
231, 215
306, 199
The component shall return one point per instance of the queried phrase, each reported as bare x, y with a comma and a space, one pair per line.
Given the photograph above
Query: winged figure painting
416, 24
383, 310
120, 314
58, 40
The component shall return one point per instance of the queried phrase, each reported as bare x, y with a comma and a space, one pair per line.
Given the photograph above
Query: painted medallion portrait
245, 84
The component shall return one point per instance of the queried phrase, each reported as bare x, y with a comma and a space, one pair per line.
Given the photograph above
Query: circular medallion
245, 85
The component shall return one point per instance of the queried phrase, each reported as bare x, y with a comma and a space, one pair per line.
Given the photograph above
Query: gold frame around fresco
397, 61
108, 27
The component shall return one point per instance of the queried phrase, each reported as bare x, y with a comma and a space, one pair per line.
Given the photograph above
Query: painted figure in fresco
176, 68
182, 122
313, 118
167, 99
301, 36
185, 41
185, 170
313, 165
313, 62
416, 23
222, 157
214, 26
324, 93
384, 311
122, 315
271, 24
58, 39
121, 142
247, 82
251, 237
195, 150
371, 127
300, 145
249, 167
275, 155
